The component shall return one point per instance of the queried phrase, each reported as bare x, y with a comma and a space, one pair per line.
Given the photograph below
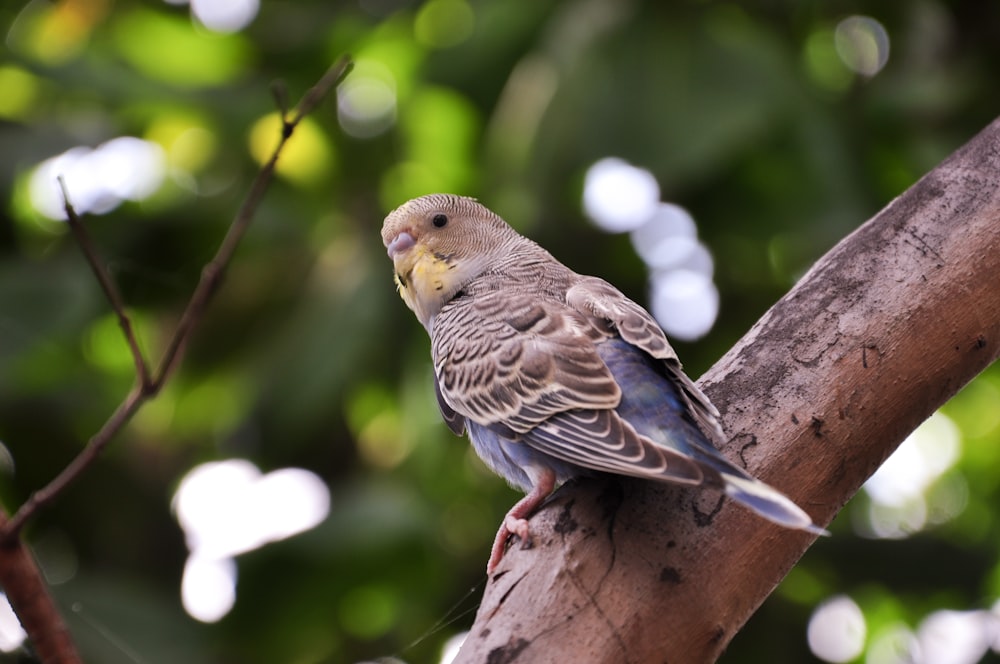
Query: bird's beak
399, 244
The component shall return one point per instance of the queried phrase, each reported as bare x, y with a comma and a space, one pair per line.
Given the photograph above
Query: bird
554, 374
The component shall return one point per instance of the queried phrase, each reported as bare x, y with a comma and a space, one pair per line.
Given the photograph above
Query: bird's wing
510, 361
600, 300
454, 421
603, 440
529, 370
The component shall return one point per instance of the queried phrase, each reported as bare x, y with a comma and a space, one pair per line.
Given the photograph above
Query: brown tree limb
30, 598
886, 327
20, 577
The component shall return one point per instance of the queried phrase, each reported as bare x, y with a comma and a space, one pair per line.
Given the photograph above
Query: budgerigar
554, 374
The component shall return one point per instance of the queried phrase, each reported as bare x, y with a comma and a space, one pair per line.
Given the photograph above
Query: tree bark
885, 327
25, 587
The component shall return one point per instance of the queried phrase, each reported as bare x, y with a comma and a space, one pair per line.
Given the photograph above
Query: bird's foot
515, 523
511, 526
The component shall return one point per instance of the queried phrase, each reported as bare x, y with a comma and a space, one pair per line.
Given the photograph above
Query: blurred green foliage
747, 116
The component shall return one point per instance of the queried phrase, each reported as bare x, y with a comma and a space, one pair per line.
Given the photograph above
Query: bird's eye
439, 221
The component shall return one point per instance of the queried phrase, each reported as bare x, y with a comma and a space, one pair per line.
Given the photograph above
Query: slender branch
280, 93
47, 494
213, 272
211, 277
107, 284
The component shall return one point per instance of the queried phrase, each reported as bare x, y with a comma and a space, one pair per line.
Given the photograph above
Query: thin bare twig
213, 272
280, 93
47, 494
107, 284
211, 276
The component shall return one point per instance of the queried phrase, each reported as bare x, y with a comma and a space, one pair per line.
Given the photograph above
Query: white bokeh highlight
98, 180
894, 644
957, 637
229, 507
862, 44
225, 16
12, 635
618, 196
208, 587
920, 459
667, 238
222, 16
899, 488
837, 630
451, 647
685, 303
366, 100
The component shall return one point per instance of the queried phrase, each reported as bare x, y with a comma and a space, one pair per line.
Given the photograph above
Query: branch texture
885, 328
33, 603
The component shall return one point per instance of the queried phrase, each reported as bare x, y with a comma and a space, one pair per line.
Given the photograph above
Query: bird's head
438, 244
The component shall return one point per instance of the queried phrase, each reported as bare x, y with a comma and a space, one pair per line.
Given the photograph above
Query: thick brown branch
29, 596
883, 330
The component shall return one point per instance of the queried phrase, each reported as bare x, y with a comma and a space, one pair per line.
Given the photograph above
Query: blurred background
292, 495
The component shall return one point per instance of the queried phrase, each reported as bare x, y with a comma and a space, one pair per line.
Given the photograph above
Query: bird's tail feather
769, 503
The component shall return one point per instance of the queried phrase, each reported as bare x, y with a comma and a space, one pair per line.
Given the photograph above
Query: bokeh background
292, 495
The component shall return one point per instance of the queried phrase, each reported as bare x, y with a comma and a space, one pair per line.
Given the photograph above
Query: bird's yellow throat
425, 281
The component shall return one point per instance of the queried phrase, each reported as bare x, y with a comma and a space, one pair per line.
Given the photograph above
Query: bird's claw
511, 526
519, 527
